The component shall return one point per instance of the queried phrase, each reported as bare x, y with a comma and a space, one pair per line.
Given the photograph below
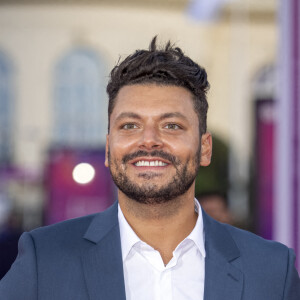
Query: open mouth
152, 163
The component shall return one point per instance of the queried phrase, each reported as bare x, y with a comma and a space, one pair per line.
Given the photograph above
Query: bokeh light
83, 173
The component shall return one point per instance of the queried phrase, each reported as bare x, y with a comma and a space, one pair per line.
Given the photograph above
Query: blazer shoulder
77, 225
70, 235
272, 262
257, 253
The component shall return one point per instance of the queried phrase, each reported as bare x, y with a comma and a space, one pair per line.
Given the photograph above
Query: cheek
120, 146
185, 147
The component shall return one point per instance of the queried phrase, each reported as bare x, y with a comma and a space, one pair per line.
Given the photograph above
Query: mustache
156, 153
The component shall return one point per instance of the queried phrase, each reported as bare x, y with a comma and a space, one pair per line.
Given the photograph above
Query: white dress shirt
147, 278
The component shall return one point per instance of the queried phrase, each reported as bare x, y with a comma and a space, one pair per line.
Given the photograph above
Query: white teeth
146, 163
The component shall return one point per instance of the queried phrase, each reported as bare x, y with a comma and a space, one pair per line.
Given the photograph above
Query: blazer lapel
223, 278
103, 266
102, 263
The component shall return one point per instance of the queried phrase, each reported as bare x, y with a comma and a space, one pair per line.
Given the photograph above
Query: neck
162, 226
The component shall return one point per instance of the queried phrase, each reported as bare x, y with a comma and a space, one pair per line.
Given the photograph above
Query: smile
153, 163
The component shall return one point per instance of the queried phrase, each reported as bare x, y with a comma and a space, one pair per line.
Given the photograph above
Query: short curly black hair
165, 66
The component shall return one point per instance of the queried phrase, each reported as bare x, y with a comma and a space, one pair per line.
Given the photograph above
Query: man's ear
206, 149
106, 163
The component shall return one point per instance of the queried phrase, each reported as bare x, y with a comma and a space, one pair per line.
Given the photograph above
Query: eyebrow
131, 115
173, 115
169, 115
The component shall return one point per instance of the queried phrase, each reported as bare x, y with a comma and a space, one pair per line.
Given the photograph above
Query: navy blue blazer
81, 259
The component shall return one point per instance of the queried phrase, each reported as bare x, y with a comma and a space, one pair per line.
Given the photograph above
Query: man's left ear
206, 149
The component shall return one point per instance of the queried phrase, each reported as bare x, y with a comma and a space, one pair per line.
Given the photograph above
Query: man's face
153, 148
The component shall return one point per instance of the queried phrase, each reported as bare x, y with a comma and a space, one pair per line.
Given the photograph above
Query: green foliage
214, 178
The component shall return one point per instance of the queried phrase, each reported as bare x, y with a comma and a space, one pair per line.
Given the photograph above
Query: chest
146, 277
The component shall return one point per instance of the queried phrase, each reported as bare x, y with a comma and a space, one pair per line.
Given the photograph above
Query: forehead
152, 99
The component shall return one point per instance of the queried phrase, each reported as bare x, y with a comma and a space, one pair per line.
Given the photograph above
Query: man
155, 242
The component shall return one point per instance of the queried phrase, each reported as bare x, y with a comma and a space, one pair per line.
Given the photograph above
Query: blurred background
55, 57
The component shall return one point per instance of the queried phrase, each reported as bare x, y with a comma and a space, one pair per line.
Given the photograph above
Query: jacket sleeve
20, 282
292, 282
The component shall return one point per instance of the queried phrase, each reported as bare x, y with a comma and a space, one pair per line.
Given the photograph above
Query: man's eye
172, 126
129, 126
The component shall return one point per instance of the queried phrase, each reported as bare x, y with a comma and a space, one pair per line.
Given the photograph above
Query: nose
150, 139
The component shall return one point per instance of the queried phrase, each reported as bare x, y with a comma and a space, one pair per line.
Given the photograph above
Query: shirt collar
129, 237
197, 234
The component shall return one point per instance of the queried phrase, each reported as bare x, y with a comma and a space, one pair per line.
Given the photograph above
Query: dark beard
149, 193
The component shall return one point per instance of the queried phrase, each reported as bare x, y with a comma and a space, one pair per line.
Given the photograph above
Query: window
80, 108
6, 110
